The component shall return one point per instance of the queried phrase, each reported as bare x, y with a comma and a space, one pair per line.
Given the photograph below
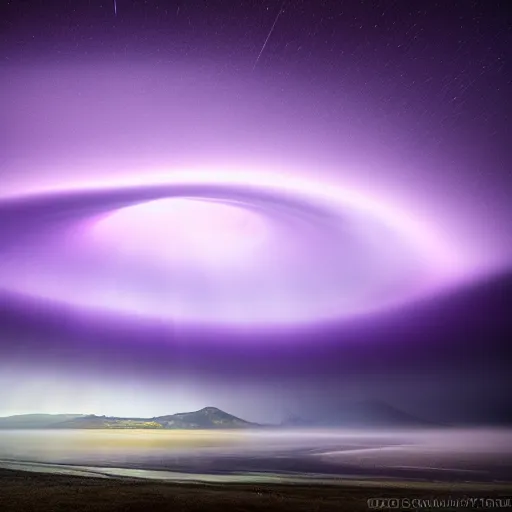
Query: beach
47, 492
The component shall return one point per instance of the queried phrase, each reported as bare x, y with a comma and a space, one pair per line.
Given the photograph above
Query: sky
275, 208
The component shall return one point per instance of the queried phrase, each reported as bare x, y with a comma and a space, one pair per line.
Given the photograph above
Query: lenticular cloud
226, 248
175, 194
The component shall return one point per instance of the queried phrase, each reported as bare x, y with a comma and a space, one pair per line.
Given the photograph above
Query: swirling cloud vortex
218, 247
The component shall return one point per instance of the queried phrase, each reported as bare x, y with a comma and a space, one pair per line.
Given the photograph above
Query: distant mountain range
360, 414
207, 418
363, 414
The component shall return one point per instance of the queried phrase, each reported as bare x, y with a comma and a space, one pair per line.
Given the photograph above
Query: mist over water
469, 455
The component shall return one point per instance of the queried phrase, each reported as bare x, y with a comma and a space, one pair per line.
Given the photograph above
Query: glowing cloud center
183, 229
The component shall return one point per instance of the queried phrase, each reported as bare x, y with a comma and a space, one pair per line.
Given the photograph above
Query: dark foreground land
24, 491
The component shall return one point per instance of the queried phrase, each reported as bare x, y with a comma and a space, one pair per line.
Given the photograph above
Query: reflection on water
450, 454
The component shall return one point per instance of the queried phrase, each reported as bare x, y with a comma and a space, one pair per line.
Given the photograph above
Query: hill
209, 417
36, 420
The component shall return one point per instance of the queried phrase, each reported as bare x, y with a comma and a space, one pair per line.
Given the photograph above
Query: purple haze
180, 227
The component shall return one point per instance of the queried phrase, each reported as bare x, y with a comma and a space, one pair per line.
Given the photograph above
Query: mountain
363, 414
294, 421
207, 418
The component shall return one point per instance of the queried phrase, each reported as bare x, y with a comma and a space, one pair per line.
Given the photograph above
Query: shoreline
244, 478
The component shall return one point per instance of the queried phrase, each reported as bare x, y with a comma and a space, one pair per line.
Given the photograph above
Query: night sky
270, 207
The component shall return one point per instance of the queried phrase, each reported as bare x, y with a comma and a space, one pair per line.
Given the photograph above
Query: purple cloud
203, 229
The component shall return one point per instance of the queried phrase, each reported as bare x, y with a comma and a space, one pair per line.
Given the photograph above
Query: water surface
451, 455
